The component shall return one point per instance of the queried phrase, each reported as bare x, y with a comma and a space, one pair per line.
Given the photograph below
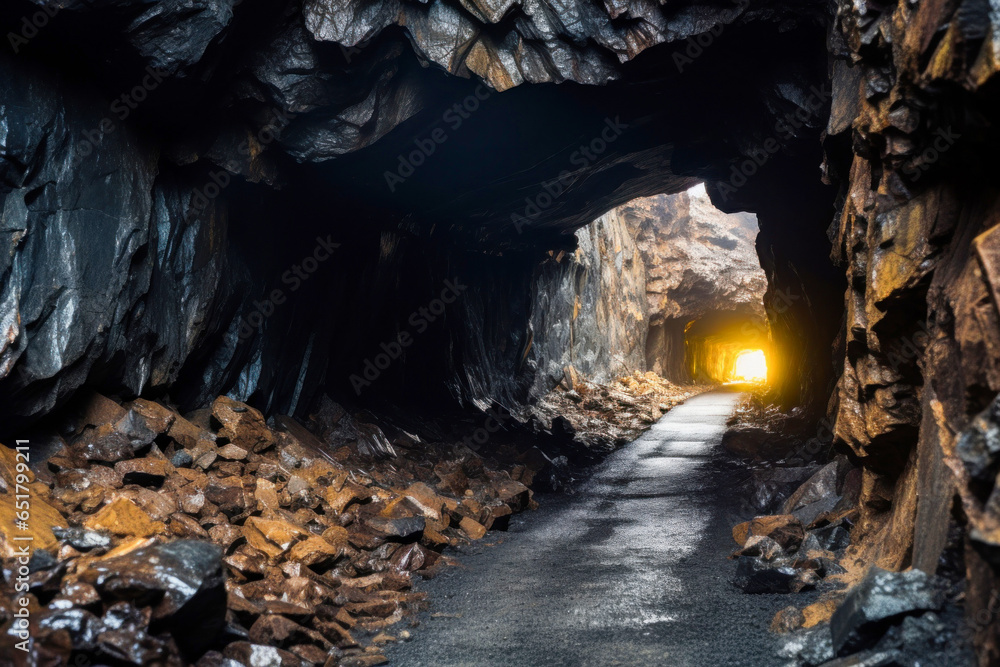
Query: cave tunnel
715, 344
302, 302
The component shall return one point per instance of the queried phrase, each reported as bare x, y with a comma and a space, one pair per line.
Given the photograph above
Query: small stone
275, 630
761, 546
266, 495
228, 493
232, 452
473, 529
787, 620
184, 526
123, 517
181, 459
79, 594
315, 551
241, 425
784, 529
754, 576
188, 435
147, 471
41, 559
258, 655
82, 539
402, 528
205, 461
103, 444
272, 536
158, 418
191, 499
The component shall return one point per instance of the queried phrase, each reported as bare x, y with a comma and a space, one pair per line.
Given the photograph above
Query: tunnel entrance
725, 347
704, 286
750, 366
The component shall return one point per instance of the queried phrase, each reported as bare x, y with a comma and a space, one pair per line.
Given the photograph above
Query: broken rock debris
216, 539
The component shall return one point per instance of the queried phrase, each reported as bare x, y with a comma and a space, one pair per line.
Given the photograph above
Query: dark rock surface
211, 103
879, 599
187, 579
150, 216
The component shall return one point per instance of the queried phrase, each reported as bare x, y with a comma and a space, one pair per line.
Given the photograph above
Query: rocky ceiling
163, 162
179, 156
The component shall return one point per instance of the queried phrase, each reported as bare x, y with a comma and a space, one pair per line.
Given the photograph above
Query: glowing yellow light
751, 366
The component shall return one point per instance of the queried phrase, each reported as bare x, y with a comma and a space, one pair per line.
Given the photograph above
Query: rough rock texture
700, 263
168, 164
916, 236
250, 540
156, 252
589, 309
668, 284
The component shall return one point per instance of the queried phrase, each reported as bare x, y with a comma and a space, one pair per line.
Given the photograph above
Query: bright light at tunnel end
750, 366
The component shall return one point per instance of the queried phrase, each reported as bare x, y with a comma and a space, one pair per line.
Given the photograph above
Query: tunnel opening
337, 265
750, 366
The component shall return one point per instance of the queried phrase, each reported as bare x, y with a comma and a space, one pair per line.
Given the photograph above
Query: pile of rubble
863, 615
888, 618
217, 538
603, 418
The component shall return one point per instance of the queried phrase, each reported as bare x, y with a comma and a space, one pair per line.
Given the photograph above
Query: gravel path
630, 571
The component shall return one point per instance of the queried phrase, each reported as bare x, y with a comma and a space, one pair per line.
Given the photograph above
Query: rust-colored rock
472, 528
784, 529
271, 536
241, 425
123, 517
147, 471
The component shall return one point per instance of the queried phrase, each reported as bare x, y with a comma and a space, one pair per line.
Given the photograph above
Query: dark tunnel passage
300, 297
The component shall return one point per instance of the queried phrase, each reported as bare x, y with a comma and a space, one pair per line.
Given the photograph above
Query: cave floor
631, 570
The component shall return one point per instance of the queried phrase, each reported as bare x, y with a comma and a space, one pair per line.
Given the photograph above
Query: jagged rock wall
148, 214
700, 262
589, 309
914, 95
101, 268
226, 138
641, 276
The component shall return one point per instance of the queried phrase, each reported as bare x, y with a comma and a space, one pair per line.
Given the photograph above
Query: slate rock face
589, 307
173, 34
133, 258
880, 598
